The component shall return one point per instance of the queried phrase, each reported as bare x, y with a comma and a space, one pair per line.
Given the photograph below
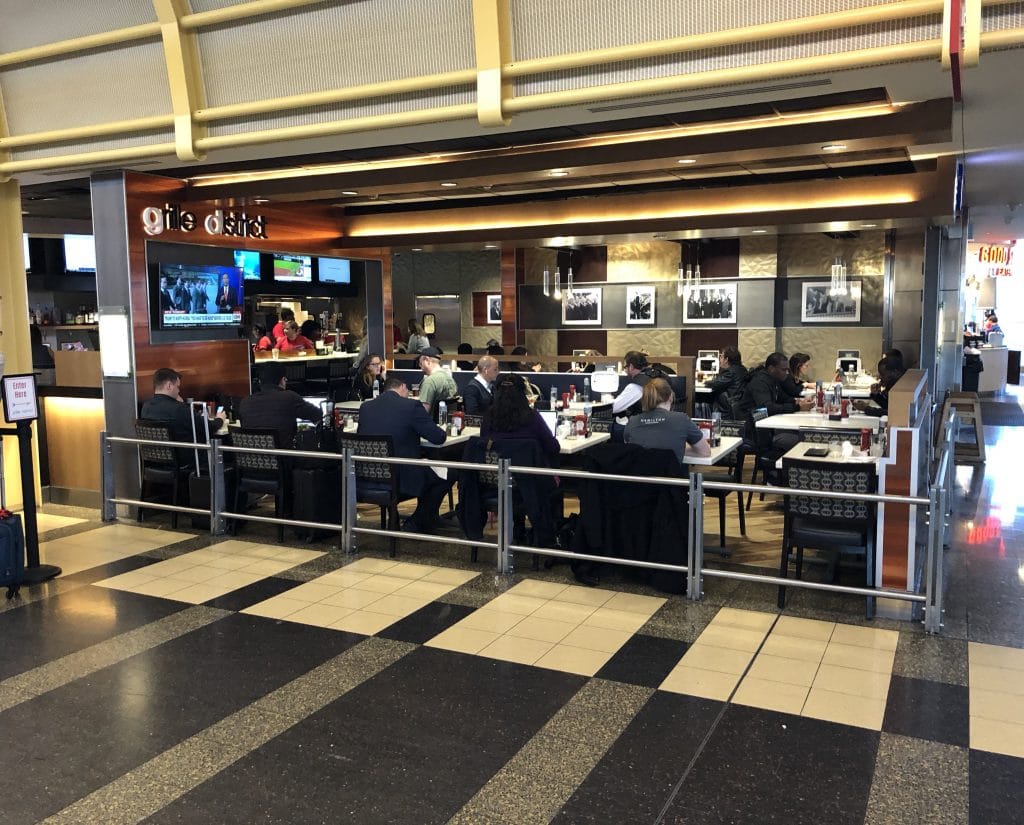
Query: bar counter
70, 422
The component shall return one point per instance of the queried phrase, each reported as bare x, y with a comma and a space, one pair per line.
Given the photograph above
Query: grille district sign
156, 221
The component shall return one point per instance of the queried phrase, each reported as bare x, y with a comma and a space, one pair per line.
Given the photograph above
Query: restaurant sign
995, 260
156, 221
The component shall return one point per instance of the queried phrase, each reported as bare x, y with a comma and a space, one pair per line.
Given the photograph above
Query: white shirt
629, 396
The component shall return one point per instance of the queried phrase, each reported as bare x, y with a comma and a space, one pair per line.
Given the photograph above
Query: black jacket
476, 398
177, 415
275, 408
726, 389
761, 390
405, 420
636, 521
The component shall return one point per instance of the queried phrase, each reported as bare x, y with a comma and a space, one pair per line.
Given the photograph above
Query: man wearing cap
437, 384
479, 392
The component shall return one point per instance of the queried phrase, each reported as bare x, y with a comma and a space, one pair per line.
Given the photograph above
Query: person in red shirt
293, 340
278, 331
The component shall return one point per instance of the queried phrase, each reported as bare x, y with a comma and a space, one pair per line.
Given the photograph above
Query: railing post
695, 538
348, 493
109, 511
218, 526
505, 565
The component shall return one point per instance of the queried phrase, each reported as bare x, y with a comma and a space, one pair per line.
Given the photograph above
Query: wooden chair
162, 466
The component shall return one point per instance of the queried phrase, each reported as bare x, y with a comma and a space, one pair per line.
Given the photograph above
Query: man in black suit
166, 298
478, 393
393, 413
226, 299
274, 407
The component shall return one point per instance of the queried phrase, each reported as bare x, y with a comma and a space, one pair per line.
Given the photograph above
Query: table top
800, 451
568, 446
303, 355
728, 444
797, 420
848, 392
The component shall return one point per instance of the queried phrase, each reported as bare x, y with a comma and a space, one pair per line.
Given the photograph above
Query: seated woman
658, 427
510, 416
372, 369
798, 379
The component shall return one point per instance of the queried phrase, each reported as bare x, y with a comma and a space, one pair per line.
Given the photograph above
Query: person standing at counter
418, 341
371, 370
277, 332
479, 393
167, 407
293, 340
437, 385
275, 407
727, 386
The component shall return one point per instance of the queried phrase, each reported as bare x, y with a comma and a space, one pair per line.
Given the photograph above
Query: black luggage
199, 495
12, 554
317, 497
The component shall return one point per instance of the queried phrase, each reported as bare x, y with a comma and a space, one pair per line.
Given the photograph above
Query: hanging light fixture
568, 279
681, 274
838, 285
558, 276
547, 283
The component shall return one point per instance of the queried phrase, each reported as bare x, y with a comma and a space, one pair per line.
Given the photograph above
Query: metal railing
504, 545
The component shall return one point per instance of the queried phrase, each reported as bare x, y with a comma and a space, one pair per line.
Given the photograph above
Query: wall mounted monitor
293, 268
334, 270
248, 260
188, 296
79, 253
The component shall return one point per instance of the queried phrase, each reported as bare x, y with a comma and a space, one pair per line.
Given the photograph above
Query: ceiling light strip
730, 37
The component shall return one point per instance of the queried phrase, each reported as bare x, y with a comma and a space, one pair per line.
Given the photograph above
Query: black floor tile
762, 767
635, 778
927, 710
253, 594
644, 660
105, 571
66, 743
41, 631
426, 623
996, 789
412, 744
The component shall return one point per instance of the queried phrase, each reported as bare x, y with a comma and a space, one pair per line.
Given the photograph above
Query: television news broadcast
200, 296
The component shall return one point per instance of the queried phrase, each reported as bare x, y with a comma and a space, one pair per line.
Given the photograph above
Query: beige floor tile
233, 580
734, 638
157, 587
409, 570
577, 660
370, 565
313, 591
631, 603
1001, 679
196, 574
844, 708
345, 577
722, 659
509, 603
381, 583
266, 567
616, 619
289, 556
133, 578
279, 607
592, 596
804, 628
48, 521
354, 599
424, 590
250, 549
859, 658
198, 593
543, 630
321, 615
463, 639
494, 621
849, 634
178, 563
363, 622
452, 577
793, 647
997, 737
538, 589
597, 638
394, 605
516, 649
233, 562
749, 619
1010, 658
997, 706
847, 680
711, 684
777, 696
564, 611
788, 671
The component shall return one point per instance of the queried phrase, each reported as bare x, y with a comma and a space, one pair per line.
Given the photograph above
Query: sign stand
20, 409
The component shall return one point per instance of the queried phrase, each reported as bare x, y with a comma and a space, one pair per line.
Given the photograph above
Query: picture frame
819, 306
494, 309
710, 303
582, 307
640, 305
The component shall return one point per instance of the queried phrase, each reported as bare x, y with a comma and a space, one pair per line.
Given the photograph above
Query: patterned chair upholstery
259, 473
470, 420
832, 525
825, 435
161, 466
376, 481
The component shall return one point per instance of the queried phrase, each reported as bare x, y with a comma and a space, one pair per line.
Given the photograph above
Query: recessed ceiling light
558, 173
349, 192
687, 161
833, 147
417, 249
259, 200
490, 246
448, 184
758, 231
868, 225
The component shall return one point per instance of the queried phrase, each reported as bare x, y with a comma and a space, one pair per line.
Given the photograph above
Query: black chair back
373, 446
833, 477
256, 463
166, 457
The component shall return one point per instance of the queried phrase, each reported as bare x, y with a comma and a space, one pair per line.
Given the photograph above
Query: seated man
167, 407
763, 390
890, 370
393, 413
437, 385
478, 395
274, 407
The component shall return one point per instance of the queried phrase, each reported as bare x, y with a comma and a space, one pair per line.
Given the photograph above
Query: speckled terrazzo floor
325, 688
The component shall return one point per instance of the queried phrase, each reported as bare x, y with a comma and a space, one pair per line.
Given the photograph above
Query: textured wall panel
756, 344
646, 261
535, 261
821, 344
655, 341
543, 342
759, 255
47, 21
803, 256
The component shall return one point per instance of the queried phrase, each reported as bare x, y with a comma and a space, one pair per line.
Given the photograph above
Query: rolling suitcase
12, 554
199, 478
317, 497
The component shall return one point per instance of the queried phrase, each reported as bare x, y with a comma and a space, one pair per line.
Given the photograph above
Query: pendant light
547, 283
838, 285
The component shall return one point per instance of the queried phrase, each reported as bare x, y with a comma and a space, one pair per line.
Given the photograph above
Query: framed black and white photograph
582, 307
820, 306
494, 309
640, 305
710, 303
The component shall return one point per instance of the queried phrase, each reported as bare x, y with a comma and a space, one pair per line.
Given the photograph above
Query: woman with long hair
372, 369
659, 427
798, 379
417, 338
510, 416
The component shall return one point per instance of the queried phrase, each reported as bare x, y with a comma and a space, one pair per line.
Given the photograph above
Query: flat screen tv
79, 253
293, 268
198, 297
334, 270
248, 260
